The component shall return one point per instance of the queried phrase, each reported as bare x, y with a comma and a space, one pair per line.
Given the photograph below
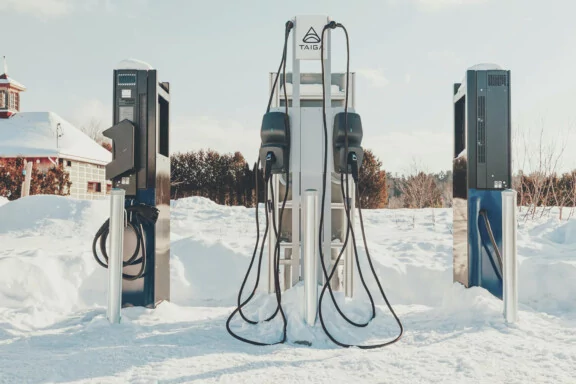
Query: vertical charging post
303, 158
304, 97
484, 213
140, 167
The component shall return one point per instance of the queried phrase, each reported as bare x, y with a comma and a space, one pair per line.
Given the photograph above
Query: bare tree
573, 194
93, 129
396, 202
445, 184
420, 189
543, 157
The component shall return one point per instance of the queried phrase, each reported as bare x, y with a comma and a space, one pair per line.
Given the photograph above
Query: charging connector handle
270, 159
353, 162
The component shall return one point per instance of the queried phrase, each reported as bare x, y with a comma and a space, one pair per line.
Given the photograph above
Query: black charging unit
141, 166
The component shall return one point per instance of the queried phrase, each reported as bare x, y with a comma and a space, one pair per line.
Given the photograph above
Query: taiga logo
311, 37
312, 40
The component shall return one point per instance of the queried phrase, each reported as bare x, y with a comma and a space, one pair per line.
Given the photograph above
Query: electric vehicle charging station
310, 147
484, 225
306, 156
141, 167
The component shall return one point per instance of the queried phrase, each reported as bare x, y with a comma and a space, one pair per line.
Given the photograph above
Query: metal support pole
295, 155
328, 234
348, 253
116, 255
309, 250
271, 235
509, 259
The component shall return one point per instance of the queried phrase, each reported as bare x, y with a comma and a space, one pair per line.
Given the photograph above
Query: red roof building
47, 140
9, 94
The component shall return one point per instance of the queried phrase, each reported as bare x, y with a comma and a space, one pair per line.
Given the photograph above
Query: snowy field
53, 327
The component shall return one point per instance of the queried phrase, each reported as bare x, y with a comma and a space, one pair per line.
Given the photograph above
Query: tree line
229, 179
224, 178
539, 189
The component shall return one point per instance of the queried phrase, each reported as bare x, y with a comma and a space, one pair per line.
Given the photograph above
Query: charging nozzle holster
353, 125
123, 138
275, 148
123, 164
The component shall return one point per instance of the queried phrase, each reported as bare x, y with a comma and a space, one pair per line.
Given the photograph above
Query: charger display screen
127, 79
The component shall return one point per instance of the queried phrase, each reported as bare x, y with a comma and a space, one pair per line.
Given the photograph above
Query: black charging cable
484, 214
270, 211
352, 162
138, 216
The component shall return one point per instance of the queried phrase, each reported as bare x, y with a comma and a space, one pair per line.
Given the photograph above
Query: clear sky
217, 56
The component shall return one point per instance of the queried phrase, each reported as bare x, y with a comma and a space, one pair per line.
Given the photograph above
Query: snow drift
45, 254
52, 297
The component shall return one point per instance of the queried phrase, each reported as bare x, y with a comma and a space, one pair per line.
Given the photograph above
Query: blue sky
217, 56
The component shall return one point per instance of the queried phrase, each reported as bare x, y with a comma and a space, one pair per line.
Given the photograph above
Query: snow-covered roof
133, 64
33, 134
5, 79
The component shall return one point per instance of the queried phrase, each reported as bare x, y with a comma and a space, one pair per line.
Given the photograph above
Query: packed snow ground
53, 327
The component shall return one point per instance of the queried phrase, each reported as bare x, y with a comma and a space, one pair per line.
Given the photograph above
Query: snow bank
53, 326
547, 252
46, 259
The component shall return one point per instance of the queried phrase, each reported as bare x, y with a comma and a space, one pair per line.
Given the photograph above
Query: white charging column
304, 98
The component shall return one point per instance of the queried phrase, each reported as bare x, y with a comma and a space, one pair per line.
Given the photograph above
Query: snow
33, 134
485, 67
11, 81
53, 326
478, 67
134, 64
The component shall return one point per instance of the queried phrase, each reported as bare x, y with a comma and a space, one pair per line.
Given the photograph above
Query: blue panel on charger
484, 270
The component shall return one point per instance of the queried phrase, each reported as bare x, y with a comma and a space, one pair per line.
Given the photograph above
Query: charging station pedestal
482, 171
311, 148
304, 94
141, 166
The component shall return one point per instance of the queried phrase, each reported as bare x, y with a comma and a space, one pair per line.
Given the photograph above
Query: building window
2, 99
12, 101
68, 163
94, 187
108, 188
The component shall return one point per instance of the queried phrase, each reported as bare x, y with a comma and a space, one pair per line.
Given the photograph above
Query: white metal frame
309, 251
306, 165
